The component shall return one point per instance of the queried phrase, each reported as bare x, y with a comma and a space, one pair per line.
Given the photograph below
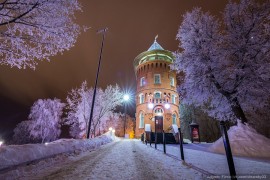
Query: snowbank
244, 141
18, 154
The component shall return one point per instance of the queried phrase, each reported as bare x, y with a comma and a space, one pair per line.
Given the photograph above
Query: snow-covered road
123, 159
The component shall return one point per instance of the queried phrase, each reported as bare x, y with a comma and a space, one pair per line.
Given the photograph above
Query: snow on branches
79, 103
226, 65
32, 30
45, 117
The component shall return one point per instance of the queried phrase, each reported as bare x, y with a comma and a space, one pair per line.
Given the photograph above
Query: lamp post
103, 31
126, 98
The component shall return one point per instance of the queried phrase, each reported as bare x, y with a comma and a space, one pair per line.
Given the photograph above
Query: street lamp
1, 143
103, 31
126, 98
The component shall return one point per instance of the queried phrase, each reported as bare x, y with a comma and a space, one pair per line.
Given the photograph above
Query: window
142, 81
141, 125
157, 79
174, 119
158, 110
157, 95
173, 99
152, 58
141, 98
171, 81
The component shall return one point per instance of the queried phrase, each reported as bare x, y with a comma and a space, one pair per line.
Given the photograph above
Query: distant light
110, 128
1, 143
113, 130
167, 106
126, 97
46, 143
150, 105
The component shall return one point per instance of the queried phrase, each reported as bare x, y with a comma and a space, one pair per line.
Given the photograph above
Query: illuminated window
171, 81
141, 96
157, 95
173, 99
174, 119
157, 79
158, 110
142, 81
152, 58
141, 125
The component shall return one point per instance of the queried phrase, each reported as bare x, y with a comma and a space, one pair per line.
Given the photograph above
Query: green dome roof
155, 46
155, 52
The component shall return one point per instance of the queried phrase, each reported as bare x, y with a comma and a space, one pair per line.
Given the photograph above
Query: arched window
172, 81
157, 79
142, 82
174, 119
173, 99
157, 95
158, 110
141, 96
141, 125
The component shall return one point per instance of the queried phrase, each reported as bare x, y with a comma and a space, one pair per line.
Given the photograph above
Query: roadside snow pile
18, 154
244, 141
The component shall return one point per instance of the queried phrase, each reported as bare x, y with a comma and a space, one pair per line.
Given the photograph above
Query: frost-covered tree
45, 117
32, 30
79, 103
226, 66
105, 103
78, 106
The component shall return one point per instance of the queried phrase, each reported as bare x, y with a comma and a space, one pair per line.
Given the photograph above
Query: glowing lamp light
113, 130
150, 105
1, 143
126, 97
46, 143
167, 106
110, 128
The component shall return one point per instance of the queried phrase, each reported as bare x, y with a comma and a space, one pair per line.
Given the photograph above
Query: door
159, 124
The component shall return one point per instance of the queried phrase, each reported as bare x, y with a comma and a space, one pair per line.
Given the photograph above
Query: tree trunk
234, 103
237, 110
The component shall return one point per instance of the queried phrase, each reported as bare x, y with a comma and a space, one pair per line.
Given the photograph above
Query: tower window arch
157, 95
172, 81
141, 98
174, 119
142, 82
173, 99
157, 79
141, 116
159, 110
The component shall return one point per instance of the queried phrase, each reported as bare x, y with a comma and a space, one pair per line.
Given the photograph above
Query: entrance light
150, 105
167, 106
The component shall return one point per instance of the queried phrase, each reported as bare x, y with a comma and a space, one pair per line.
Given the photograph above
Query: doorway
159, 124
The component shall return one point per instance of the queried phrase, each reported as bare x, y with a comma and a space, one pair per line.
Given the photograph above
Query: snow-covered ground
17, 154
122, 159
217, 163
244, 141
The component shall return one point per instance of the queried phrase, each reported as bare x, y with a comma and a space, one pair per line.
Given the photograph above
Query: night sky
132, 25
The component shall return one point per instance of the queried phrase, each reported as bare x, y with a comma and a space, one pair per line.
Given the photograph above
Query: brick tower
157, 102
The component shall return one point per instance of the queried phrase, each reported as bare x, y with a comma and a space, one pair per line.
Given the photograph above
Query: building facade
157, 102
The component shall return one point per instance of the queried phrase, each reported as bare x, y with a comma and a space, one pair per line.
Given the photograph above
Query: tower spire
156, 38
155, 45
